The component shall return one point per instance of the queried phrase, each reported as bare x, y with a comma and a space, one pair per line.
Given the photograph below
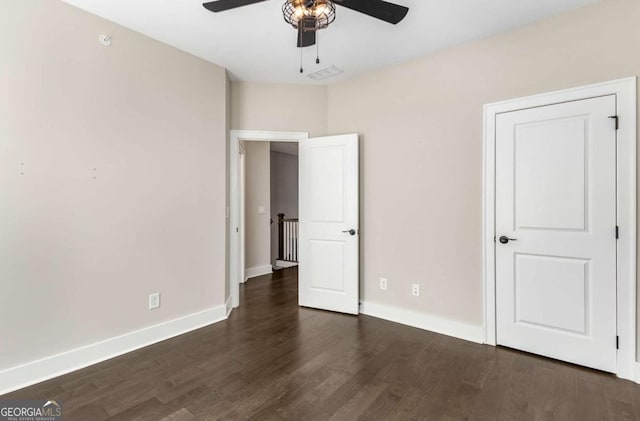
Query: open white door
328, 250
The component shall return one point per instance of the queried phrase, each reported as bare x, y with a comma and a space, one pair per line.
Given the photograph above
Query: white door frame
236, 273
242, 185
625, 91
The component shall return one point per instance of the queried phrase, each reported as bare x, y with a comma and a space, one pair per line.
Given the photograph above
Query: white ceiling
255, 44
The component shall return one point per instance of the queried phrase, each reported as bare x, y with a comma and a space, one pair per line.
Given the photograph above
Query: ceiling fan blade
306, 38
222, 5
383, 10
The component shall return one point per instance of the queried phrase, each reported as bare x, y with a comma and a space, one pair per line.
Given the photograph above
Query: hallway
272, 360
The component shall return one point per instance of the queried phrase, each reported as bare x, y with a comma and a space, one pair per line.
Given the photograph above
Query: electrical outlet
383, 284
154, 300
415, 289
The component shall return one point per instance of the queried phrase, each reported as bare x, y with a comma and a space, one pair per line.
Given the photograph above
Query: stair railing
287, 239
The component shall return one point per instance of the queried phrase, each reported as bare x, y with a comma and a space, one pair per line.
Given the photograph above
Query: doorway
268, 207
328, 233
284, 205
559, 225
236, 218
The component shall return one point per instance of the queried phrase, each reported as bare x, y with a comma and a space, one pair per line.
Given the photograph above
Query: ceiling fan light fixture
321, 12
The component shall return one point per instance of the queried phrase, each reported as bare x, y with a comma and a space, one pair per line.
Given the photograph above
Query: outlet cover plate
154, 300
415, 290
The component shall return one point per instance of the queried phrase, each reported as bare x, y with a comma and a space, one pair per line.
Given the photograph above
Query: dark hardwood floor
275, 361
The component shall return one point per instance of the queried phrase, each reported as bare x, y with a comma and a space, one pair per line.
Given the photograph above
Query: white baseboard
49, 367
257, 271
286, 264
637, 373
424, 321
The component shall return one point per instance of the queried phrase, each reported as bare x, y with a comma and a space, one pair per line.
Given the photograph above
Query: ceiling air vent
325, 73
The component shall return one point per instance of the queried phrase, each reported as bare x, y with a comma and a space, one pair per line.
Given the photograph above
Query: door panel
550, 174
327, 277
326, 198
558, 282
328, 256
556, 200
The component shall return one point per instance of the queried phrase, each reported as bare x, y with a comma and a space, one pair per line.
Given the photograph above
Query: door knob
350, 232
504, 239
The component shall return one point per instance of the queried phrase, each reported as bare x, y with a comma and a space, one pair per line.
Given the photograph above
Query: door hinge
617, 342
617, 119
617, 232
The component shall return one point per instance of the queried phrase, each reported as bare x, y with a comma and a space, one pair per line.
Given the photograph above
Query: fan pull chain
317, 47
300, 36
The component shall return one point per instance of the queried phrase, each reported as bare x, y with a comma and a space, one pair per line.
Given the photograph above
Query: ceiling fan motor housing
308, 24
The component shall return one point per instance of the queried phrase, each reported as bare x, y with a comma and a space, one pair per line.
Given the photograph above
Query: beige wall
276, 107
257, 193
80, 249
421, 151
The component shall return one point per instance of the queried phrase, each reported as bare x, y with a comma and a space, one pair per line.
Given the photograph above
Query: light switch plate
262, 210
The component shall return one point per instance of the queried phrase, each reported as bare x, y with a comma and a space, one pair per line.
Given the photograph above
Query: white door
556, 200
329, 231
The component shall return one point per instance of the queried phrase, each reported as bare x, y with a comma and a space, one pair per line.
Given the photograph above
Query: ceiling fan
309, 16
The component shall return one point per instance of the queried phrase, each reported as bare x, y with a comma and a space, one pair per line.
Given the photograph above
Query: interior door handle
350, 232
504, 239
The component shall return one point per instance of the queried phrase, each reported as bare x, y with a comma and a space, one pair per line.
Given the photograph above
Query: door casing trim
625, 91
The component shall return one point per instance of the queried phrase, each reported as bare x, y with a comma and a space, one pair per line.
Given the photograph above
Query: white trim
424, 321
257, 271
228, 307
625, 91
236, 271
56, 365
285, 264
242, 203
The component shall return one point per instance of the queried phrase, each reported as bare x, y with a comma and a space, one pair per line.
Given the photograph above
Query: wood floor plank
180, 415
494, 389
90, 412
272, 360
566, 401
309, 405
355, 407
515, 405
541, 404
